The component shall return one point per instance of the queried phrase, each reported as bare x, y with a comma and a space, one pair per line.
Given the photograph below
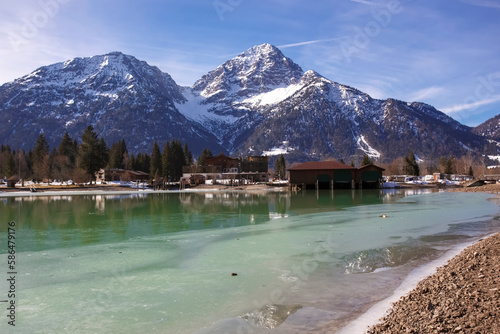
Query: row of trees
168, 165
409, 165
465, 165
80, 161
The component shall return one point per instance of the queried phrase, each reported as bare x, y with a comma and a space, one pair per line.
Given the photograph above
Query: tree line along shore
79, 160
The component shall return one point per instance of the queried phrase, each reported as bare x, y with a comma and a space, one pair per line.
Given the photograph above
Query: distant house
335, 175
255, 168
11, 181
223, 163
215, 168
461, 177
116, 174
230, 170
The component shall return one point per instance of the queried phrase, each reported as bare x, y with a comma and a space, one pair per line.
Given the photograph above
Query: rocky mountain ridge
119, 95
259, 102
490, 128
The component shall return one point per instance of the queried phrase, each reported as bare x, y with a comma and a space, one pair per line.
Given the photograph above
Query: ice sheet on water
184, 276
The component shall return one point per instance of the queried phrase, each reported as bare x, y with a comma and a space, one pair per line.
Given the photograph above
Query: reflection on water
163, 263
97, 218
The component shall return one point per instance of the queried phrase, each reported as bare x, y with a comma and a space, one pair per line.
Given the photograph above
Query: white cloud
426, 93
366, 2
470, 106
284, 46
484, 3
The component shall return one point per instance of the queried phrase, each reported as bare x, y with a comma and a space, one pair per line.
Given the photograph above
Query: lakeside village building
335, 175
313, 174
116, 174
222, 169
226, 170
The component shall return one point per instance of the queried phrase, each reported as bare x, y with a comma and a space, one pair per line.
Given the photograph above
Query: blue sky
442, 52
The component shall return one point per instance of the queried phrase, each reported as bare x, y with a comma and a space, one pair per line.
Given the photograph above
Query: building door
323, 181
370, 179
343, 179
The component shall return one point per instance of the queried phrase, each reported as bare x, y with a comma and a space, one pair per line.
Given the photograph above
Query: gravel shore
463, 296
487, 188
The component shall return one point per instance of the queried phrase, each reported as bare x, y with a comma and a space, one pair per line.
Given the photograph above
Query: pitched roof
220, 160
311, 165
121, 170
372, 165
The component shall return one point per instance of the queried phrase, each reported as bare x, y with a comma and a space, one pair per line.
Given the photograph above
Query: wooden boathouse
335, 175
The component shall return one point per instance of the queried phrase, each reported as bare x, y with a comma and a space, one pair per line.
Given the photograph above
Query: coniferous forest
79, 159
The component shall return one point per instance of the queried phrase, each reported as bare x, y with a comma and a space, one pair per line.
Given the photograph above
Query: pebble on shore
463, 296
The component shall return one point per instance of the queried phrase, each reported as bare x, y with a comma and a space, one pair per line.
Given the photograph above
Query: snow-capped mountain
223, 99
259, 102
257, 70
322, 119
119, 95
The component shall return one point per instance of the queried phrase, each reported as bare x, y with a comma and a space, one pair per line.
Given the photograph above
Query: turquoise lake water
233, 262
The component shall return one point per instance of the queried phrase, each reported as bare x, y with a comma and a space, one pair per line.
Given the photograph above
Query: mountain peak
114, 73
310, 76
257, 70
116, 58
256, 102
116, 53
113, 70
265, 48
265, 54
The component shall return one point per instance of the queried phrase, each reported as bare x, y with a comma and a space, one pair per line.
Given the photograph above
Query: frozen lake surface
231, 262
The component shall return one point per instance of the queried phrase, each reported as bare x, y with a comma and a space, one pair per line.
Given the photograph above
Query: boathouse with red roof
334, 175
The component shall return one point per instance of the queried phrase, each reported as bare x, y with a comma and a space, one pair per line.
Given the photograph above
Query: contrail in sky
284, 46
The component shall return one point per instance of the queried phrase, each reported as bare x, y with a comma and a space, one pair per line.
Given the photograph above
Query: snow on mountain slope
197, 109
259, 102
119, 95
257, 70
365, 147
223, 100
275, 96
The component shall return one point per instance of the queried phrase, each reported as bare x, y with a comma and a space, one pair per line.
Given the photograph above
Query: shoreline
117, 190
376, 315
419, 305
461, 296
113, 189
